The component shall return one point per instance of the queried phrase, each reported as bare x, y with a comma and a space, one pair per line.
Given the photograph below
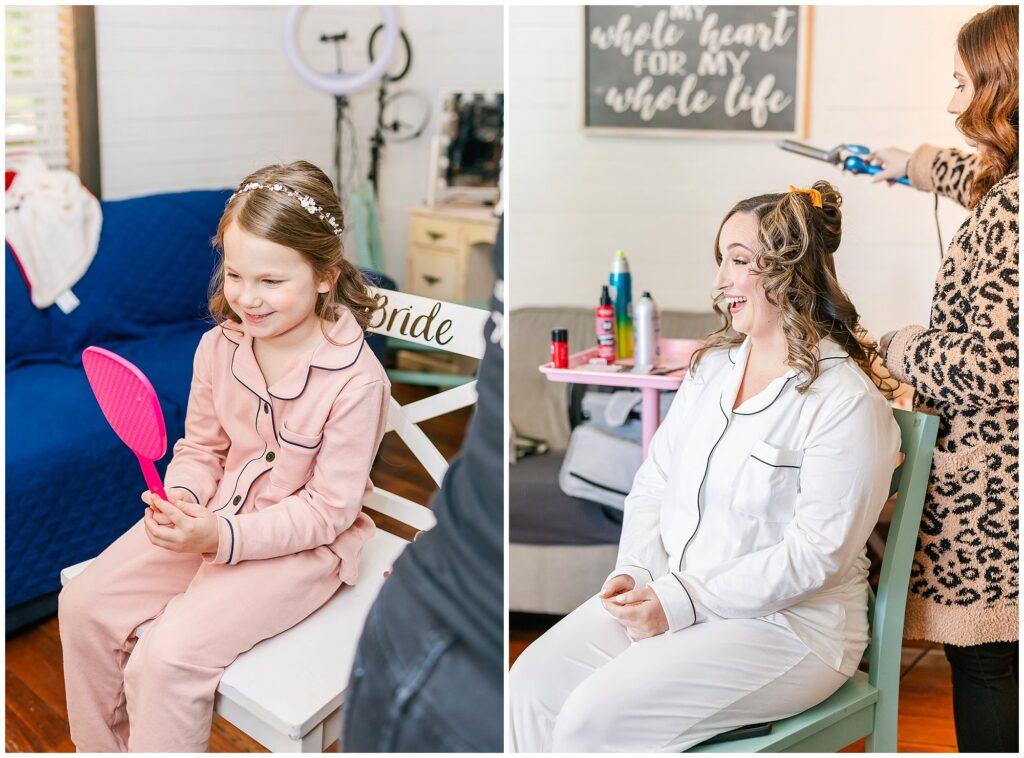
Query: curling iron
849, 157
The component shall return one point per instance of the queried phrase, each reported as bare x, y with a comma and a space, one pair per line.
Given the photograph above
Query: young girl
263, 523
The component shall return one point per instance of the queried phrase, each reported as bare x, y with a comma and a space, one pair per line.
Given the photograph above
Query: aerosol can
647, 332
621, 286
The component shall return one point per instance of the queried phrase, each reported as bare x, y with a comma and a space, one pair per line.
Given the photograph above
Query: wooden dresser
450, 253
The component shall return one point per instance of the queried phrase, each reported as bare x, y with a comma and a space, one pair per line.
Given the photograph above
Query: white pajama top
764, 511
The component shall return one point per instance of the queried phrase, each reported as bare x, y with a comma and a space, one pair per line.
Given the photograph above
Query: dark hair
988, 46
795, 263
280, 218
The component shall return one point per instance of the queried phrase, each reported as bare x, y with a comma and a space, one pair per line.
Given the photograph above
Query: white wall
880, 76
196, 97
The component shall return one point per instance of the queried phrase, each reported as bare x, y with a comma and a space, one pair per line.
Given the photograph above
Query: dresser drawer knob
435, 236
431, 280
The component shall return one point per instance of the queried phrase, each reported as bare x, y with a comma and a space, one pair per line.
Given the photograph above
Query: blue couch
72, 486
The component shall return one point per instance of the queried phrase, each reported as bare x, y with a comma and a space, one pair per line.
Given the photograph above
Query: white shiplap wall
196, 97
880, 76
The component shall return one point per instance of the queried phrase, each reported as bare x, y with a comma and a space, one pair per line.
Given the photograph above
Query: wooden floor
926, 704
37, 719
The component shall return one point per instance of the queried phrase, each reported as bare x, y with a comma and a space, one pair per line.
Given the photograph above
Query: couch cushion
70, 482
539, 513
27, 328
72, 486
152, 269
166, 360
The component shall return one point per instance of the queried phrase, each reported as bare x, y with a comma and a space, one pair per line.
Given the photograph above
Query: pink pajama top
285, 467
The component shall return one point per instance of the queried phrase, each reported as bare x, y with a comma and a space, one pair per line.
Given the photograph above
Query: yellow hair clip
810, 192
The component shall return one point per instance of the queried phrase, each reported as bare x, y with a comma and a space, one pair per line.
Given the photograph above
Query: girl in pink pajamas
286, 411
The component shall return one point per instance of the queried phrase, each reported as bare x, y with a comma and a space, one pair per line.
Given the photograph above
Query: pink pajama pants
156, 695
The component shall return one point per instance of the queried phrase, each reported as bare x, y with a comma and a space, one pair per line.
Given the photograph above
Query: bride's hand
639, 611
617, 585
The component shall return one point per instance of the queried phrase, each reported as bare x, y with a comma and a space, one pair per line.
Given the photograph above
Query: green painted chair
866, 706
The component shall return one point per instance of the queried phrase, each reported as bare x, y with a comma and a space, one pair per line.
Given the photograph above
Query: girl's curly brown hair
279, 218
988, 46
797, 241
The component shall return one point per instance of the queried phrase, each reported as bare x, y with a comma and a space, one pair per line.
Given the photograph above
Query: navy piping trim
234, 489
224, 330
686, 592
707, 465
234, 353
231, 550
246, 496
592, 483
761, 410
766, 463
632, 565
182, 487
312, 366
728, 354
296, 444
786, 384
270, 405
273, 424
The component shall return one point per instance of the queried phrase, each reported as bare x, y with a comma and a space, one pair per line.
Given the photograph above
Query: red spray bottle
605, 323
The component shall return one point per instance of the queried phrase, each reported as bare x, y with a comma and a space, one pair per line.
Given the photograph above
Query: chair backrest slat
450, 327
444, 326
918, 432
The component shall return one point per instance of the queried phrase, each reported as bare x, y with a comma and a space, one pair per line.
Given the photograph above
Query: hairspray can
621, 287
560, 348
648, 332
605, 317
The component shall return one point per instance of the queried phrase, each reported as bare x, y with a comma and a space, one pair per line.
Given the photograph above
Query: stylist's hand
883, 345
893, 162
193, 528
639, 611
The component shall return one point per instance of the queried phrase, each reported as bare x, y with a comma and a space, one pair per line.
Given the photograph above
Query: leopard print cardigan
963, 585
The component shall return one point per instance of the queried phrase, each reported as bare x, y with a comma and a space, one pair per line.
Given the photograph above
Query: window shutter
38, 91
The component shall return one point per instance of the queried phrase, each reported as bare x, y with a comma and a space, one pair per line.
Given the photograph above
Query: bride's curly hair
988, 45
796, 266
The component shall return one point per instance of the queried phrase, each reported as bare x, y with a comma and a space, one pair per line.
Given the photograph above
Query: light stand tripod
340, 104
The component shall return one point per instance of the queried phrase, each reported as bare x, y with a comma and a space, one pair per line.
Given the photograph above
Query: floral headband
304, 200
812, 193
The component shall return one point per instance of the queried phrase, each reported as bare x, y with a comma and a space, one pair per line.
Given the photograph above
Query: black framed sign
696, 70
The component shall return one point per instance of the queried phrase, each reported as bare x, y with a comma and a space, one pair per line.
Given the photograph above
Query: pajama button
266, 407
270, 457
237, 499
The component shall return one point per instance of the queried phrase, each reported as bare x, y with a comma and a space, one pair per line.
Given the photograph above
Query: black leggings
985, 696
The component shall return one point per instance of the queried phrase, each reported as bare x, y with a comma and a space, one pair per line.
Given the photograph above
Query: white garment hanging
53, 227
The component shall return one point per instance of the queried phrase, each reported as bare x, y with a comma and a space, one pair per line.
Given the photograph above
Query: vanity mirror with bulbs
450, 237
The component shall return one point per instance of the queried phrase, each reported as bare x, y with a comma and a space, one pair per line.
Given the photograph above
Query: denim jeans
985, 696
415, 687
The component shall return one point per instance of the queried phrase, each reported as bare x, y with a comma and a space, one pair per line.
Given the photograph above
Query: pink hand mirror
130, 405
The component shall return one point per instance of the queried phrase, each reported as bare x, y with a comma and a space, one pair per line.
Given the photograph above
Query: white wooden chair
287, 692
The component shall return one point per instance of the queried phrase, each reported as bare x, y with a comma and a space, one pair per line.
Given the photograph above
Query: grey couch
561, 548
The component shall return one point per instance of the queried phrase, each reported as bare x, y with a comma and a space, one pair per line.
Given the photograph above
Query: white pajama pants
584, 686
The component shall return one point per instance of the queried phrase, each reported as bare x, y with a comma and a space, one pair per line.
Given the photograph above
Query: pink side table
674, 352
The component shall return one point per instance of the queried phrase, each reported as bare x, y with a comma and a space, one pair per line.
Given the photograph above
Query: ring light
346, 83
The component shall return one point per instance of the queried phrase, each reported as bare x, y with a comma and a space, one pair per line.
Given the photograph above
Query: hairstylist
429, 667
963, 587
